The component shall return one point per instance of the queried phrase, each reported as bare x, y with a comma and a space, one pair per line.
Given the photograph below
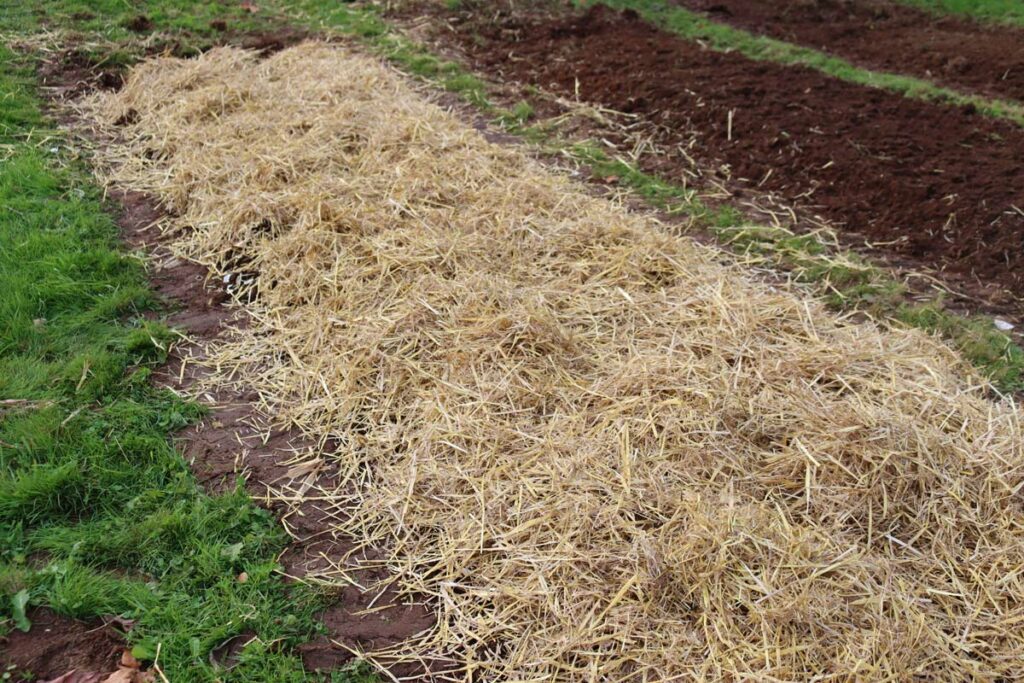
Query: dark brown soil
266, 42
56, 645
888, 36
936, 186
73, 72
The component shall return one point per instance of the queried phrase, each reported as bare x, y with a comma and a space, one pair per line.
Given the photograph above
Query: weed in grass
469, 86
516, 117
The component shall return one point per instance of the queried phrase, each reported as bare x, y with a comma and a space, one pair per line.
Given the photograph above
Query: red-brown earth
937, 186
887, 36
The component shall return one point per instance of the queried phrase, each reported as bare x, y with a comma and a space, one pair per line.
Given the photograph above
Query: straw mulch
598, 451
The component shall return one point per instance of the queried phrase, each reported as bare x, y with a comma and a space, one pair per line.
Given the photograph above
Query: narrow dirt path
281, 468
887, 36
933, 186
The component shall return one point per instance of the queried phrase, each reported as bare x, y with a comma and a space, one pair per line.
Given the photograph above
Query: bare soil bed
888, 36
938, 186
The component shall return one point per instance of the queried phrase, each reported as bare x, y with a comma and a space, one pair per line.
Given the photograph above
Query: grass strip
847, 281
1010, 12
693, 26
99, 514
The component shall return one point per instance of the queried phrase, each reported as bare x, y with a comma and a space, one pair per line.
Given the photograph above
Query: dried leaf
128, 660
122, 675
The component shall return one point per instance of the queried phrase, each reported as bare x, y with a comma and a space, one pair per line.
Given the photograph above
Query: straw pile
601, 453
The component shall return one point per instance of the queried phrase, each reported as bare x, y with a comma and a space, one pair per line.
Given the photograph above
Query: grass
99, 514
999, 11
694, 26
112, 18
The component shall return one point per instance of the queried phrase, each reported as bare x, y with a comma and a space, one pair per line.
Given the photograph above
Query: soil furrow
887, 36
940, 187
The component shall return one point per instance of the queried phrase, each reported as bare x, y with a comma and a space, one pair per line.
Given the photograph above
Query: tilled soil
937, 186
887, 36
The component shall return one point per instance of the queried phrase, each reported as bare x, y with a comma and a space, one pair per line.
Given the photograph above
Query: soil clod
56, 645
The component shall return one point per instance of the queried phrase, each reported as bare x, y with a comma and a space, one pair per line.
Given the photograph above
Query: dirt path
887, 36
935, 186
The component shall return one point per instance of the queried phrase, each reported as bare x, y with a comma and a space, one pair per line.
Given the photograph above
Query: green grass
987, 348
694, 26
111, 18
998, 11
664, 195
99, 514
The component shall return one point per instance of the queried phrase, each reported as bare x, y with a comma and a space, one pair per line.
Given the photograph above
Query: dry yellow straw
602, 454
